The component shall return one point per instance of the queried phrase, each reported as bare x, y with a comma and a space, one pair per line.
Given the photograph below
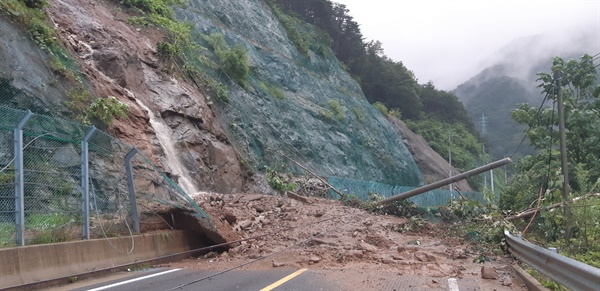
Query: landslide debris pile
324, 234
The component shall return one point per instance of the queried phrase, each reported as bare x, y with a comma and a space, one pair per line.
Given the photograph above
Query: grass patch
29, 14
7, 235
360, 114
273, 91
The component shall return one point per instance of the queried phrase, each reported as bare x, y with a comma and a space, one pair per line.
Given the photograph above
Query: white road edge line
132, 280
453, 284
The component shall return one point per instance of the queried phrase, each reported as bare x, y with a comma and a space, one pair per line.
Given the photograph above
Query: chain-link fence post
19, 181
131, 188
85, 182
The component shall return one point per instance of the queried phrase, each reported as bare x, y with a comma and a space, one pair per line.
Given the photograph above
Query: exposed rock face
120, 61
23, 63
433, 166
172, 124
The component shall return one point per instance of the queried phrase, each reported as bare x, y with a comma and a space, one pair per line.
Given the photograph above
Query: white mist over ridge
448, 42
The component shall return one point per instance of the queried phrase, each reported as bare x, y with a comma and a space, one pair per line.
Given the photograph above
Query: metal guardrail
566, 271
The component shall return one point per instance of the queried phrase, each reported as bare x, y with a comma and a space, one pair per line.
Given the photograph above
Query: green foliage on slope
386, 83
467, 152
82, 105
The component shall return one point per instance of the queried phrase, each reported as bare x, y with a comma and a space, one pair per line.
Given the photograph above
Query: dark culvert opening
201, 231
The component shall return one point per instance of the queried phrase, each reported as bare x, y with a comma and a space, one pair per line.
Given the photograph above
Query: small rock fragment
488, 273
367, 247
424, 257
229, 217
507, 282
245, 224
297, 197
459, 254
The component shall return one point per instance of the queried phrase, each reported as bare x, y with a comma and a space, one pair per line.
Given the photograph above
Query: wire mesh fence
433, 198
49, 193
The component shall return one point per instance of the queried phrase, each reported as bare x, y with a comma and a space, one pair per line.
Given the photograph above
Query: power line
529, 129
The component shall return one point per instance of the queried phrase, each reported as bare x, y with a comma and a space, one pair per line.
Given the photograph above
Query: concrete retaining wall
29, 264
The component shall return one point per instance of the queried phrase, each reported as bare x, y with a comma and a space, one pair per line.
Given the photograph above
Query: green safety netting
307, 108
433, 198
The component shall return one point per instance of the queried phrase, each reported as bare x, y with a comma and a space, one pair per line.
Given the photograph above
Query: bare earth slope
322, 234
433, 167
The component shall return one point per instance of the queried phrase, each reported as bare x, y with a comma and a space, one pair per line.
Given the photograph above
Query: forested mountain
510, 80
381, 78
388, 82
490, 97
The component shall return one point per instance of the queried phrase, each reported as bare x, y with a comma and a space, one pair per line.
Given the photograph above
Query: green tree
577, 79
581, 99
445, 106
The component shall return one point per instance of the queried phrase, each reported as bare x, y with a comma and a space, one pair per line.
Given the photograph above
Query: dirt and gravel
316, 233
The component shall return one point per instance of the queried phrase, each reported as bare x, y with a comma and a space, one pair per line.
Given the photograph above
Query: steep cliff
322, 120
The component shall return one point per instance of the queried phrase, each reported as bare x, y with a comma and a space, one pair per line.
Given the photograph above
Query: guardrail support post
85, 183
20, 181
131, 188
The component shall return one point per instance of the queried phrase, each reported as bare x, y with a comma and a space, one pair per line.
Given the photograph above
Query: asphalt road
274, 279
188, 279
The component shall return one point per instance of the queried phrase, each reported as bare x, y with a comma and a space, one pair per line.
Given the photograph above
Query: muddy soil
316, 233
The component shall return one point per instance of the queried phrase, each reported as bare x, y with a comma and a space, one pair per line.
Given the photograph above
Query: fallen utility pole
530, 212
447, 181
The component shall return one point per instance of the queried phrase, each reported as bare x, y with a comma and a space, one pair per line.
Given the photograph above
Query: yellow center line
283, 280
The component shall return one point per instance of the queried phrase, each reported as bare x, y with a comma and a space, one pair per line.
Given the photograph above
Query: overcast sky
447, 41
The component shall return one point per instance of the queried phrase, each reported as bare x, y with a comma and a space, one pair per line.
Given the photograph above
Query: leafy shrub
326, 114
79, 101
167, 51
304, 37
234, 62
360, 114
272, 91
139, 21
337, 109
395, 112
106, 109
276, 92
160, 7
381, 107
279, 182
28, 13
84, 107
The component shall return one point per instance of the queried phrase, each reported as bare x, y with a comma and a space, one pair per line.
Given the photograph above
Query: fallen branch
316, 176
530, 212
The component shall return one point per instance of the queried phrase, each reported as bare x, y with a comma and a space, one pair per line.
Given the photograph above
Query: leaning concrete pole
447, 181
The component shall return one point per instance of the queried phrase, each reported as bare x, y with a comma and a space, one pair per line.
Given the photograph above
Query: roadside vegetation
202, 58
82, 105
573, 228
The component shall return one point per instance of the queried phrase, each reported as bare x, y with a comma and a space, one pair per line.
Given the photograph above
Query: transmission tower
483, 124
